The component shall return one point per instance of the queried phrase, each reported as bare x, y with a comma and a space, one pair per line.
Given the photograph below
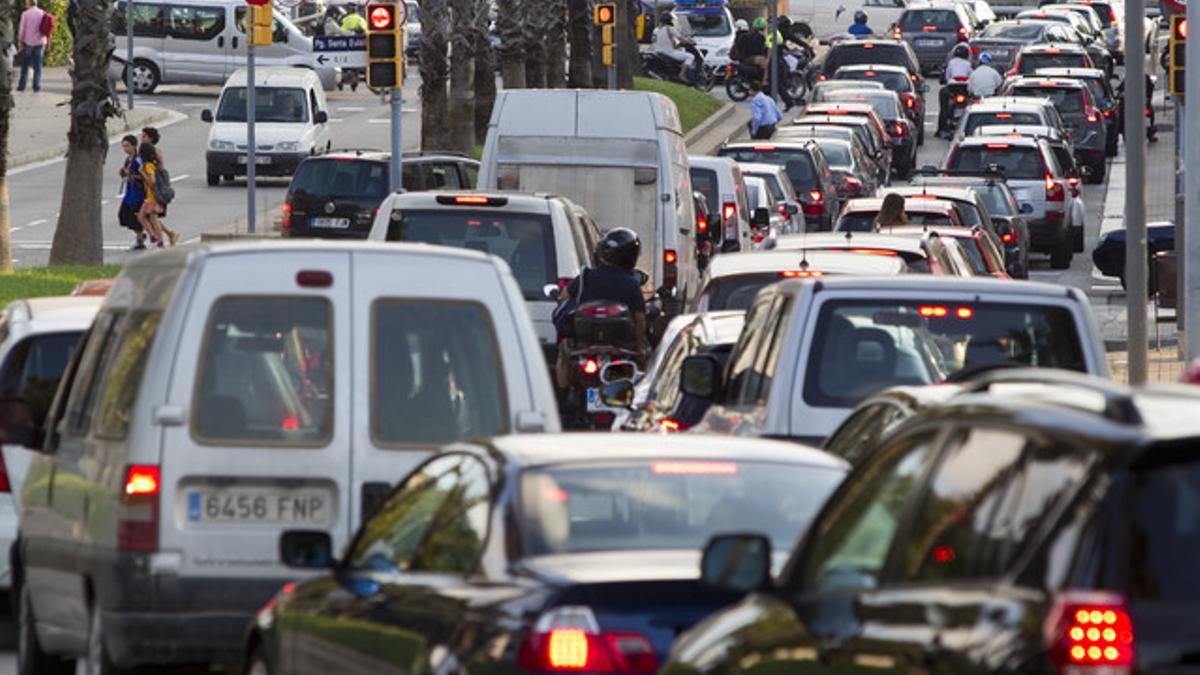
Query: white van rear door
262, 385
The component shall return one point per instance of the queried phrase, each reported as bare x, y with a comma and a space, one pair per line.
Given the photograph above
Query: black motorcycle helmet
962, 51
620, 247
666, 19
860, 17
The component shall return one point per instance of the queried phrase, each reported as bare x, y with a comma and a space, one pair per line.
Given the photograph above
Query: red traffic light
1181, 29
381, 17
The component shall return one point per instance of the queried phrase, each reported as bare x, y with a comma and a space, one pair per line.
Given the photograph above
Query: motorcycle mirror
617, 394
618, 372
666, 293
641, 277
551, 291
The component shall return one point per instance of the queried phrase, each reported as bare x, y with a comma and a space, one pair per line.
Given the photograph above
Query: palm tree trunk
78, 238
512, 42
556, 45
536, 26
461, 125
435, 24
580, 27
628, 62
8, 12
485, 72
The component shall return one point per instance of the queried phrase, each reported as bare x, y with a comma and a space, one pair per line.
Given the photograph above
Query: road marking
347, 108
335, 120
104, 202
39, 221
15, 229
193, 105
153, 103
379, 120
192, 240
183, 177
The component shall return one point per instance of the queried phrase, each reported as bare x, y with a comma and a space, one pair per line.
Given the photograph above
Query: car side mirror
701, 376
18, 425
737, 562
791, 209
321, 117
306, 549
617, 394
206, 115
760, 218
551, 292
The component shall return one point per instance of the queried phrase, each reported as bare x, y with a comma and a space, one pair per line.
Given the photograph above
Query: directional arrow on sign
343, 59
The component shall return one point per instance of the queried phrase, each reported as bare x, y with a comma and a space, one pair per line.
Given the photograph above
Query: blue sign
339, 43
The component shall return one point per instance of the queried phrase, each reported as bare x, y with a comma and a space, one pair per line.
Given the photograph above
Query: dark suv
335, 195
893, 52
1036, 522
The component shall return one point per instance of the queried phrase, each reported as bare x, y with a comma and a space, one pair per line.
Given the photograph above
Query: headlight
221, 145
287, 146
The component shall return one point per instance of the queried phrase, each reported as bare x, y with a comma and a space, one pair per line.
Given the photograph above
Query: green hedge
57, 280
59, 51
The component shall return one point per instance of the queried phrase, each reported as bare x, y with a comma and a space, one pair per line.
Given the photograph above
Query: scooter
661, 67
603, 334
958, 101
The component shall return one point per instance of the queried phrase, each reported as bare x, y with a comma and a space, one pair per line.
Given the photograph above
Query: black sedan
537, 553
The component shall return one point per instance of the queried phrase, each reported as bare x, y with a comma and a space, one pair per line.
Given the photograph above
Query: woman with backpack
148, 215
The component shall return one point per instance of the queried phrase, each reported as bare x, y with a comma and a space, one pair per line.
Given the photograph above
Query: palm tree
8, 11
78, 237
485, 70
536, 25
509, 16
556, 45
435, 23
461, 124
579, 23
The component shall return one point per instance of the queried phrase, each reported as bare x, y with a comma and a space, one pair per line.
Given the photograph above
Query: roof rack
357, 151
1118, 402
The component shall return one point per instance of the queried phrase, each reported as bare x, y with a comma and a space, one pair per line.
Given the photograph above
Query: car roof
533, 450
1050, 47
761, 167
277, 76
943, 232
777, 260
1019, 141
54, 313
445, 199
873, 66
1044, 81
1007, 104
795, 143
848, 106
942, 192
712, 162
837, 85
839, 120
1017, 131
838, 240
861, 204
1083, 73
934, 284
863, 42
983, 181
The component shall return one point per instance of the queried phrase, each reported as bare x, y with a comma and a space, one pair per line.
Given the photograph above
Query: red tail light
801, 274
782, 208
898, 130
932, 311
287, 216
137, 513
1054, 190
1109, 113
668, 424
962, 34
853, 185
589, 366
975, 50
568, 639
728, 211
701, 224
960, 98
1072, 181
816, 196
1148, 112
1090, 631
670, 270
563, 282
910, 101
1093, 116
1007, 238
896, 33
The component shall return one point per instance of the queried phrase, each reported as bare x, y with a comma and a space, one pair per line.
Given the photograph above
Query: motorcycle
661, 67
795, 76
603, 334
958, 101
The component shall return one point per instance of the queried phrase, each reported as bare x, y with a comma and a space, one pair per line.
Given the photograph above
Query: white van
832, 19
618, 154
291, 123
204, 42
227, 393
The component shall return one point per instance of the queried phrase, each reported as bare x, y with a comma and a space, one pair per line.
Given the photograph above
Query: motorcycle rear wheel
736, 88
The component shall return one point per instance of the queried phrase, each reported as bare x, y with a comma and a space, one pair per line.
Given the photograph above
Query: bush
58, 52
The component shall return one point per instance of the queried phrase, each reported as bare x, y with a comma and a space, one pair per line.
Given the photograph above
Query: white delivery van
618, 154
227, 393
832, 19
291, 123
204, 42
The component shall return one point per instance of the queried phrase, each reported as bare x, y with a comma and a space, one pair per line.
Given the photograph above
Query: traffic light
260, 24
605, 14
385, 44
1178, 44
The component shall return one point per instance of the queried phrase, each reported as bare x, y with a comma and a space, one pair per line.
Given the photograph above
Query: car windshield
667, 504
890, 79
863, 54
271, 104
796, 163
1017, 162
1013, 31
984, 119
704, 23
931, 20
1068, 100
1164, 533
863, 346
1031, 63
524, 240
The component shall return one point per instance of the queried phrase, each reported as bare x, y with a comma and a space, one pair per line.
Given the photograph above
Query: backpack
163, 192
565, 311
47, 26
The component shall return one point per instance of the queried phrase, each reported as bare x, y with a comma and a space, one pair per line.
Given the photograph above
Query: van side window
471, 171
434, 373
264, 376
123, 365
195, 23
79, 406
148, 20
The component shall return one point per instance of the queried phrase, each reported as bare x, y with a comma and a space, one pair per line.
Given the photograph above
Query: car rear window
796, 163
705, 182
1013, 31
984, 119
864, 221
855, 54
1099, 93
737, 291
324, 178
1108, 16
863, 346
1017, 162
667, 504
931, 20
836, 154
772, 184
1164, 536
1068, 100
1030, 63
890, 79
435, 373
886, 105
524, 240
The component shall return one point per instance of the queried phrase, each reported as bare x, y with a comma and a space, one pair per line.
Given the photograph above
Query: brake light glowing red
873, 251
764, 148
898, 130
962, 34
960, 98
668, 424
701, 224
896, 33
568, 649
142, 479
929, 28
1003, 116
998, 146
964, 312
472, 199
137, 512
869, 45
816, 195
589, 366
801, 274
910, 101
1090, 628
1054, 190
290, 423
932, 311
685, 468
669, 257
286, 223
1007, 238
728, 211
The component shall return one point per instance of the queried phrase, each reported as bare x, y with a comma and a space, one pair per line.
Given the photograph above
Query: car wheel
1060, 258
214, 178
31, 660
1077, 239
97, 662
257, 663
1099, 169
921, 133
144, 77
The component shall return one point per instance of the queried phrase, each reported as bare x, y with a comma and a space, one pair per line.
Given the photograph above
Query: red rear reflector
943, 555
679, 468
934, 311
142, 479
801, 274
471, 199
314, 279
964, 312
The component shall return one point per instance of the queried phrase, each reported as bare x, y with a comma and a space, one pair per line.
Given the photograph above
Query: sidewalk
1162, 366
40, 122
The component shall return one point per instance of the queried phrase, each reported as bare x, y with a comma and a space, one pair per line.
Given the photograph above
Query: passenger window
195, 23
436, 373
445, 176
122, 367
741, 360
412, 177
860, 432
854, 534
471, 171
436, 522
79, 407
312, 103
148, 20
265, 374
33, 369
664, 391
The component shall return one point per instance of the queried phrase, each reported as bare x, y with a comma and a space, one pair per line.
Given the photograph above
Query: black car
806, 167
902, 133
536, 553
870, 51
1002, 40
335, 195
1035, 523
1106, 100
1109, 255
909, 86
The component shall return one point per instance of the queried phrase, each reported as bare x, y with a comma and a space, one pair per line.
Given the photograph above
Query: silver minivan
228, 393
204, 42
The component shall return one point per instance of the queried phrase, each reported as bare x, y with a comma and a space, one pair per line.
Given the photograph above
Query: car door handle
234, 39
685, 230
220, 40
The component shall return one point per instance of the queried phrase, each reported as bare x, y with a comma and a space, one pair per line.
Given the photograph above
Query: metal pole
1180, 238
129, 53
773, 52
250, 140
397, 166
1191, 194
1135, 193
612, 75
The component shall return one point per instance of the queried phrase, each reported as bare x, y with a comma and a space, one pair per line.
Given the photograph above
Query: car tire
1060, 258
258, 664
1099, 170
921, 133
145, 77
1077, 239
31, 660
214, 178
96, 660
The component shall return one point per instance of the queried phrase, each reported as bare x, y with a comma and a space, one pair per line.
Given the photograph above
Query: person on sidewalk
32, 43
134, 194
149, 214
764, 113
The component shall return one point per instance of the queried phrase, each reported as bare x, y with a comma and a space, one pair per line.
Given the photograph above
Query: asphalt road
360, 120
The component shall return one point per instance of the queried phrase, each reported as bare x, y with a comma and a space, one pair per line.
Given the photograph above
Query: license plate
258, 159
259, 506
594, 402
331, 223
928, 43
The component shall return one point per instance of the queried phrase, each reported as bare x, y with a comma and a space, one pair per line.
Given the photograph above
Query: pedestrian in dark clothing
134, 194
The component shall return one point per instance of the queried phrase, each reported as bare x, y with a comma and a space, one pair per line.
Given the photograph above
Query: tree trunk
512, 42
461, 125
78, 238
485, 72
628, 61
556, 45
536, 25
8, 12
580, 26
435, 24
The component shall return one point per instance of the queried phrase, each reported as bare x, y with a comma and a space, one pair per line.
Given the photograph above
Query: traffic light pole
1191, 220
397, 165
1135, 194
250, 141
129, 53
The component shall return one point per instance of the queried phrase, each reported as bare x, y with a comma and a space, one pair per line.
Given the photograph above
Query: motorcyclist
667, 42
613, 280
860, 28
985, 80
958, 71
353, 22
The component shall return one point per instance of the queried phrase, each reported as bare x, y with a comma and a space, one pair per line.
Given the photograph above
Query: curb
162, 118
704, 128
